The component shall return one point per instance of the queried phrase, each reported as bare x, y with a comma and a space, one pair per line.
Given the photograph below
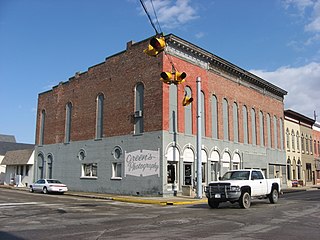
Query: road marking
17, 204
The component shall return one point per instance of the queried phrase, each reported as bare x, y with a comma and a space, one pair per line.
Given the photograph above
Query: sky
44, 42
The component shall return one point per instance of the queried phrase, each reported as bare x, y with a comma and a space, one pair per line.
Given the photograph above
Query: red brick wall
221, 87
116, 79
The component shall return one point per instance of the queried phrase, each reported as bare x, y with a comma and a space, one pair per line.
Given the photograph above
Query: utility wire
146, 11
155, 14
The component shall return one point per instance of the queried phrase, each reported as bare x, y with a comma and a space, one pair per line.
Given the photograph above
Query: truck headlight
235, 188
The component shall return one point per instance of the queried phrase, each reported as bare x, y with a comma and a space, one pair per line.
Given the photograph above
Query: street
32, 216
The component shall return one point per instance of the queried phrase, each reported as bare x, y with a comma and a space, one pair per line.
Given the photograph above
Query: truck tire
274, 196
245, 200
212, 203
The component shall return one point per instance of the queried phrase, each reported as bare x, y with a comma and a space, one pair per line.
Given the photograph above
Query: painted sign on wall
142, 163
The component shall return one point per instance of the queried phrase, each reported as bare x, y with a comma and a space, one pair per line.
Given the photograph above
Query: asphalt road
32, 216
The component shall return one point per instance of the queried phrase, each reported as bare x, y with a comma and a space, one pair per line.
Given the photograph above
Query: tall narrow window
203, 114
269, 130
261, 125
41, 163
281, 133
42, 122
292, 140
235, 123
225, 109
302, 143
138, 114
298, 141
253, 126
50, 162
68, 122
214, 110
245, 124
188, 114
275, 132
307, 144
288, 138
99, 116
173, 108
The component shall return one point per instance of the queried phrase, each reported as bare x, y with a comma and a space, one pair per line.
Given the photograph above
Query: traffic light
179, 77
156, 46
186, 100
166, 77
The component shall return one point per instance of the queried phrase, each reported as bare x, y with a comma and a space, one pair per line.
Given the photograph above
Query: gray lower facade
151, 164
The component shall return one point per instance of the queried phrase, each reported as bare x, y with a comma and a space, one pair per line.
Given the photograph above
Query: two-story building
117, 128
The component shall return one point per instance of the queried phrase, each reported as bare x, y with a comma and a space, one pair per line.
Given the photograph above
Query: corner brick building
117, 128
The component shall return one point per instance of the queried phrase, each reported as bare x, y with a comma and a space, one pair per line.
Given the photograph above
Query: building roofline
298, 116
224, 64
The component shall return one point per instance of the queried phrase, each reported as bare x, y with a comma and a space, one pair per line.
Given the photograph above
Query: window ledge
116, 178
85, 177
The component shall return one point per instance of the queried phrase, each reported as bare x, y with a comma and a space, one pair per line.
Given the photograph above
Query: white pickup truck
240, 186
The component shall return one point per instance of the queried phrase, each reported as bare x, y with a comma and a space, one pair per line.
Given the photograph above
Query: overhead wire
146, 11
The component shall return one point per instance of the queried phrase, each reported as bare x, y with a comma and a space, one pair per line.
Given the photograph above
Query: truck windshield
236, 175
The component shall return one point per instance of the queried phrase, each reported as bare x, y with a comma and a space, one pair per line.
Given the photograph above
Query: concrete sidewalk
164, 201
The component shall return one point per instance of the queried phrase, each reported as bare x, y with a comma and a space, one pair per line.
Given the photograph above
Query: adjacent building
117, 128
16, 167
316, 149
300, 149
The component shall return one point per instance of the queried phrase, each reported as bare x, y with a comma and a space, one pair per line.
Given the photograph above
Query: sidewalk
164, 201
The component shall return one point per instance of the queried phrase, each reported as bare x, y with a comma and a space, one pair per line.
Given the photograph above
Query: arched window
173, 107
307, 144
188, 114
203, 114
302, 143
99, 116
50, 163
269, 130
253, 127
214, 116
42, 123
261, 125
235, 123
225, 119
245, 124
281, 133
275, 132
299, 169
289, 169
68, 122
298, 141
40, 163
292, 139
138, 111
288, 138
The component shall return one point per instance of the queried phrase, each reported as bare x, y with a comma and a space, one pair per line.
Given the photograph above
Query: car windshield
236, 175
53, 181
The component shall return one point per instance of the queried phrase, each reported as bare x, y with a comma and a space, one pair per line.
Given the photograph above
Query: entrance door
188, 174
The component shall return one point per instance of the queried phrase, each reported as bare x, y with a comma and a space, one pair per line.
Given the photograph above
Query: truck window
256, 175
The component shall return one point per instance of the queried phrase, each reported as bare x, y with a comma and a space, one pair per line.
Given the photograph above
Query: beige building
299, 149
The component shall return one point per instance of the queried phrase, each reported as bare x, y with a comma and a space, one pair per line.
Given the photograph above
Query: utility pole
199, 136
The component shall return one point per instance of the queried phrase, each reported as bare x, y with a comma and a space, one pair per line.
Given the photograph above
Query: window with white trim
89, 170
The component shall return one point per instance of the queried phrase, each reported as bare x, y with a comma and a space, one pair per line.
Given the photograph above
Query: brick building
117, 128
316, 149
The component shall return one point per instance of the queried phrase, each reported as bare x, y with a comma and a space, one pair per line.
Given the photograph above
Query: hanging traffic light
166, 77
186, 100
179, 77
156, 46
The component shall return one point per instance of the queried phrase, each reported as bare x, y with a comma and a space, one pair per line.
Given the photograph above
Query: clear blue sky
43, 42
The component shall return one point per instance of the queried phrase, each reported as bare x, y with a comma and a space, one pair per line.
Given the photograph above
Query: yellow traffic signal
156, 46
166, 77
186, 100
179, 77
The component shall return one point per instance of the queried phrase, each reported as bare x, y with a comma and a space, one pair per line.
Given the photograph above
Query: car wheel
31, 189
45, 190
274, 196
245, 200
212, 203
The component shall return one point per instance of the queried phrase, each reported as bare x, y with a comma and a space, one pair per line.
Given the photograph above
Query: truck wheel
245, 200
212, 203
274, 196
